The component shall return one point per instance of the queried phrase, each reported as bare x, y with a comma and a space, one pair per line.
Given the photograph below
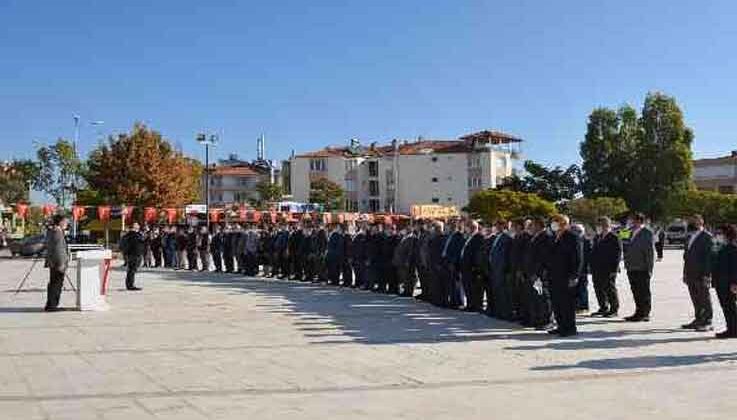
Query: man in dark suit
405, 260
216, 248
500, 281
517, 250
359, 246
697, 273
566, 263
451, 258
470, 271
57, 259
133, 246
724, 278
639, 260
537, 276
347, 268
335, 255
228, 250
606, 254
437, 267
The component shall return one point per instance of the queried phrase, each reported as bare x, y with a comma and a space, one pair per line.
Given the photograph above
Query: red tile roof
234, 170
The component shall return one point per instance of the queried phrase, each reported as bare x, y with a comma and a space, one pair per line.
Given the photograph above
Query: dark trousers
131, 269
407, 277
564, 305
501, 297
228, 261
347, 272
659, 249
473, 284
699, 291
539, 305
728, 302
361, 274
53, 291
423, 274
168, 258
217, 260
640, 285
447, 286
582, 293
605, 287
334, 270
297, 264
192, 260
156, 252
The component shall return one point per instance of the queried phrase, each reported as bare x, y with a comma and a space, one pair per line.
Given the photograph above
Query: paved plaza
207, 346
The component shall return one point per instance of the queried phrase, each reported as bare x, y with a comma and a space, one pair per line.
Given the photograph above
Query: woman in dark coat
724, 276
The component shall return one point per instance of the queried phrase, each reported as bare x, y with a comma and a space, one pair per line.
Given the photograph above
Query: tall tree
268, 191
328, 193
589, 210
16, 179
60, 171
552, 184
142, 168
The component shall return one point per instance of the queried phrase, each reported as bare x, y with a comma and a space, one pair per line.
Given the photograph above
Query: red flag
49, 209
127, 213
149, 214
103, 213
78, 212
22, 210
171, 215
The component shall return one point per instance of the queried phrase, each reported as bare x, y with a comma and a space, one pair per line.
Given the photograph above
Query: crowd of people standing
531, 271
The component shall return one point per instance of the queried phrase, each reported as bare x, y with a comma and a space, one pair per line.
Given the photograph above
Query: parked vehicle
28, 247
676, 233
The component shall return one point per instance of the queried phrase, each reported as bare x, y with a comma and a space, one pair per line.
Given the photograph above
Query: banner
77, 212
21, 210
103, 213
150, 215
171, 215
48, 209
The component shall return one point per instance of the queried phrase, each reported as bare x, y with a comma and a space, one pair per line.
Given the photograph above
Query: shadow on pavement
643, 362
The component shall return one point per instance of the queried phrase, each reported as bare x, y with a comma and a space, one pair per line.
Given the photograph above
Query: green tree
588, 210
16, 179
490, 205
552, 184
328, 193
269, 192
142, 168
716, 208
59, 171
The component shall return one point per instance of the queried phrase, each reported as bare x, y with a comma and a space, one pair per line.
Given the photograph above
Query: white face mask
720, 239
555, 226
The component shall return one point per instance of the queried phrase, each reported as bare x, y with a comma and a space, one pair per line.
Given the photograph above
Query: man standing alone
697, 273
133, 246
57, 260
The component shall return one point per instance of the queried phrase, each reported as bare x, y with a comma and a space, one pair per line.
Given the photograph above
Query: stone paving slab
207, 346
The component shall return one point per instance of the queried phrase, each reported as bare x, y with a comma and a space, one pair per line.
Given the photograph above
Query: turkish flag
77, 212
149, 214
103, 213
49, 209
22, 210
171, 215
127, 213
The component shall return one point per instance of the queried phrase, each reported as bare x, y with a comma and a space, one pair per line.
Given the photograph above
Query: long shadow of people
643, 362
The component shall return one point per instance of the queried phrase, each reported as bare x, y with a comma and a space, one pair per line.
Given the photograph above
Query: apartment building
716, 174
234, 181
396, 176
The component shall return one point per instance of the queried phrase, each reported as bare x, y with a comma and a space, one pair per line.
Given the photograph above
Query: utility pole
207, 141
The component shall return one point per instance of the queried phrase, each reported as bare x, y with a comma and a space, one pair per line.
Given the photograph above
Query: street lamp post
207, 141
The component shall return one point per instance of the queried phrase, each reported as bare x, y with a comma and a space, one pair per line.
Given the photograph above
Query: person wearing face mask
697, 273
537, 277
500, 273
473, 282
566, 265
639, 261
606, 254
724, 276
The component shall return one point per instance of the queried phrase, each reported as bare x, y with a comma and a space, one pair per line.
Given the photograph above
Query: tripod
28, 274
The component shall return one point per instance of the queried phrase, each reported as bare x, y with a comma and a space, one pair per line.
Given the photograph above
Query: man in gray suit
57, 260
639, 260
697, 273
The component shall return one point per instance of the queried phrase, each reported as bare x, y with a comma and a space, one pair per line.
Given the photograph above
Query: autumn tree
327, 193
16, 179
142, 168
490, 205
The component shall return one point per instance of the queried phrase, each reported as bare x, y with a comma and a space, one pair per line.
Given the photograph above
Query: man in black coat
133, 246
281, 240
216, 248
192, 238
405, 261
359, 245
57, 260
566, 263
724, 277
438, 268
537, 278
347, 269
294, 249
517, 250
388, 282
228, 249
335, 255
606, 254
697, 258
156, 246
470, 272
374, 245
203, 248
501, 273
451, 258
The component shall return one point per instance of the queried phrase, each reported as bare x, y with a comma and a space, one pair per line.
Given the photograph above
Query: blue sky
312, 73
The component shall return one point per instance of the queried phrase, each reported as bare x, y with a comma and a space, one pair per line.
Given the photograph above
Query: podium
93, 268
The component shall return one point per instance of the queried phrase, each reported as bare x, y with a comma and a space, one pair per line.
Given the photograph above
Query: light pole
207, 141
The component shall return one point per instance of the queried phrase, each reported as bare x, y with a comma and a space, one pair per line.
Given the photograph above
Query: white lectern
93, 268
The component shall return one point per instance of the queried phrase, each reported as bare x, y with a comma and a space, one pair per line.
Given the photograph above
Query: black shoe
134, 289
599, 313
691, 325
611, 314
632, 318
50, 309
554, 332
725, 334
568, 333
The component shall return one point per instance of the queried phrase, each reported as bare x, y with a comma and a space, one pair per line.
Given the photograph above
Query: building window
318, 165
373, 168
373, 205
350, 185
501, 162
244, 181
435, 200
434, 179
373, 188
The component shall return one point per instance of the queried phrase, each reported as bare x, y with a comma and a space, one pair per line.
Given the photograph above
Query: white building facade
719, 174
394, 177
